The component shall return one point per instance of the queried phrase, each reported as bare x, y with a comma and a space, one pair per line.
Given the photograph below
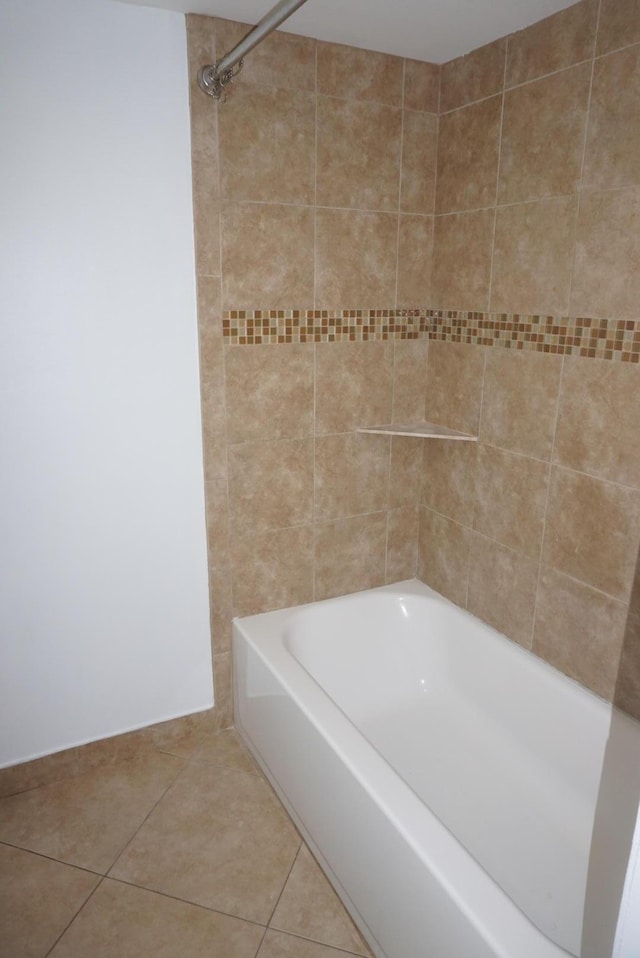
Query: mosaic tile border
613, 339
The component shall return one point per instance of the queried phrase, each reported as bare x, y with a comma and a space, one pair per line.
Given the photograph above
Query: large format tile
269, 392
443, 555
476, 75
533, 256
612, 155
309, 907
462, 251
418, 179
125, 922
354, 385
270, 484
552, 44
351, 475
350, 555
278, 945
579, 631
447, 478
220, 839
88, 820
280, 61
347, 71
356, 254
502, 588
454, 385
409, 378
421, 85
619, 24
272, 569
598, 419
468, 146
543, 136
256, 131
520, 401
510, 499
39, 899
402, 543
415, 257
606, 279
358, 154
592, 531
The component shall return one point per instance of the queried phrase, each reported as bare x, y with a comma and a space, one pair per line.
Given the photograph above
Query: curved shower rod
213, 78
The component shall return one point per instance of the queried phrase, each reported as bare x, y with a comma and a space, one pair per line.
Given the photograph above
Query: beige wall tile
443, 555
475, 76
520, 401
448, 479
418, 179
543, 136
356, 255
210, 341
351, 475
358, 154
272, 570
556, 42
619, 24
510, 499
350, 555
405, 471
606, 278
223, 685
502, 588
206, 217
281, 60
402, 544
462, 247
267, 256
270, 485
592, 531
579, 631
533, 256
214, 437
354, 383
345, 71
269, 392
421, 85
415, 254
598, 419
217, 509
257, 130
468, 146
612, 156
409, 379
201, 50
454, 385
221, 600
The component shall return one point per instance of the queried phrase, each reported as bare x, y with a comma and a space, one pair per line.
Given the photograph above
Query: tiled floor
185, 853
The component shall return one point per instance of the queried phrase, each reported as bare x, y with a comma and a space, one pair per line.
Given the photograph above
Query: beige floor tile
121, 921
39, 898
224, 748
278, 945
88, 820
310, 907
219, 838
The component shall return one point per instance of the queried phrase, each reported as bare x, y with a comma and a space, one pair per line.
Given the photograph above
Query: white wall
103, 579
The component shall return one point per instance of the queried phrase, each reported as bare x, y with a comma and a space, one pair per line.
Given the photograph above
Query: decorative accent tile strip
617, 339
593, 338
271, 326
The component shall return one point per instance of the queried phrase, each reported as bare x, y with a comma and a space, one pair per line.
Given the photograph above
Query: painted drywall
103, 577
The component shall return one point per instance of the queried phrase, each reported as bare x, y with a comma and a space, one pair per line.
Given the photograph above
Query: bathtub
446, 779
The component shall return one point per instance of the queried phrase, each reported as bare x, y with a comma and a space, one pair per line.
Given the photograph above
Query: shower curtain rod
213, 78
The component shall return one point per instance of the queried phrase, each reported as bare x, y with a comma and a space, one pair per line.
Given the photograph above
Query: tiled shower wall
314, 192
536, 529
323, 239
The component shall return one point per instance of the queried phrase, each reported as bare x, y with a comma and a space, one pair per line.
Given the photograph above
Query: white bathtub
446, 779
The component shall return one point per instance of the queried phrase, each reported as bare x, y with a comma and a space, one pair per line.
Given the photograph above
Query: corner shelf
420, 430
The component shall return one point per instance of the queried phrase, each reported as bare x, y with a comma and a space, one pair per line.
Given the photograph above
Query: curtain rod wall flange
213, 78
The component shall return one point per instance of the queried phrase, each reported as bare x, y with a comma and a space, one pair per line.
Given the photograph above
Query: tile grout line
315, 306
475, 474
77, 914
498, 171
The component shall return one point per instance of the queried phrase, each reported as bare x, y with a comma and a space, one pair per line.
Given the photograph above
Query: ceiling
435, 30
